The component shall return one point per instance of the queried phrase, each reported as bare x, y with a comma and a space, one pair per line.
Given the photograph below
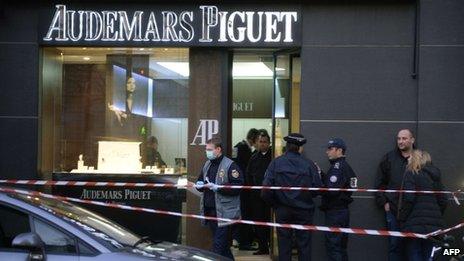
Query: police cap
295, 138
336, 143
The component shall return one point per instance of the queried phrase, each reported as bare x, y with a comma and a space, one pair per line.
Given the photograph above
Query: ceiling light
86, 58
279, 69
141, 49
249, 69
84, 48
181, 68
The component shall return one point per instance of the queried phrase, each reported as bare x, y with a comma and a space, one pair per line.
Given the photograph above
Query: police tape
357, 231
192, 185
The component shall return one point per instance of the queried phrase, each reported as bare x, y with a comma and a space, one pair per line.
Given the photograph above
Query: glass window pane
56, 242
85, 250
12, 223
252, 94
115, 110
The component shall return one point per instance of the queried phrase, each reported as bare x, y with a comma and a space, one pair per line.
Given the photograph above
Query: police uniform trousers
222, 240
336, 243
289, 215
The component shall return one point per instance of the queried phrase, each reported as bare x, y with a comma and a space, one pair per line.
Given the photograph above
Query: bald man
390, 175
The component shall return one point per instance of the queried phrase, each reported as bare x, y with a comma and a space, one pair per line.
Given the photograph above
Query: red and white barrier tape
191, 185
357, 231
444, 231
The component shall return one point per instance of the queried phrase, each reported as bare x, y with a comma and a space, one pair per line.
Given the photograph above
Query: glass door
285, 106
286, 97
265, 97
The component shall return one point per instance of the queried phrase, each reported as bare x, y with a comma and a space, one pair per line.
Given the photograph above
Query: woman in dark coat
421, 213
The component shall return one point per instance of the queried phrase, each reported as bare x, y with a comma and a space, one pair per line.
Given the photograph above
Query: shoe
247, 248
261, 252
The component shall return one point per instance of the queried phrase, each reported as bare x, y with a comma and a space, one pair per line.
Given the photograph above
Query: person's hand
386, 207
199, 184
213, 187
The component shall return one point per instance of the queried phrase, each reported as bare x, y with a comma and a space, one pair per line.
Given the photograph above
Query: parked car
38, 228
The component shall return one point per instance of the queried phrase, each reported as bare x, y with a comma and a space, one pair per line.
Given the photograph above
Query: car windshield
98, 226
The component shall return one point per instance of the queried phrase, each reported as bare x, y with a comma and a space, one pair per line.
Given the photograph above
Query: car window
86, 250
56, 242
12, 223
102, 229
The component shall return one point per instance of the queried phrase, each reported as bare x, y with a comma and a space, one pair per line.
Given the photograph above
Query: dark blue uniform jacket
339, 175
291, 170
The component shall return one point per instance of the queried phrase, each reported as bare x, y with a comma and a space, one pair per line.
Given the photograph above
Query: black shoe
247, 248
261, 252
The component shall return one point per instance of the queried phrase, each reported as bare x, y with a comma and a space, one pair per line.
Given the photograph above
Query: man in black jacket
241, 154
390, 175
260, 211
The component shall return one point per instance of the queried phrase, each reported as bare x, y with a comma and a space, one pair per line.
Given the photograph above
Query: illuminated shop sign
207, 24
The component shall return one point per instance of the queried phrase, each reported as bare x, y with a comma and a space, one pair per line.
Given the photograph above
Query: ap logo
205, 131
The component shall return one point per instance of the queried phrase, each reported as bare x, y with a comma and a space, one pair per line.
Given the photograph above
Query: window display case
115, 110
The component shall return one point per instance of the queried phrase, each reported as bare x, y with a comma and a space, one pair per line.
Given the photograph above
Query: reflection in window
116, 109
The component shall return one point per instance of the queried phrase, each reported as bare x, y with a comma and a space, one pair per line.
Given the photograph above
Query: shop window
114, 110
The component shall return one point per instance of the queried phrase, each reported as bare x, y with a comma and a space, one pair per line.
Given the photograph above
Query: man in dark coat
295, 206
390, 175
241, 155
260, 211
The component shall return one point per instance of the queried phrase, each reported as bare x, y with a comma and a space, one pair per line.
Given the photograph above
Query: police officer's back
292, 207
335, 203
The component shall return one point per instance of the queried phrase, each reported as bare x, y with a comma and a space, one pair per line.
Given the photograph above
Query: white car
37, 228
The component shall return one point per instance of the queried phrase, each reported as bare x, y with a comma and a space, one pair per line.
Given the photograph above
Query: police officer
295, 206
221, 203
241, 154
335, 203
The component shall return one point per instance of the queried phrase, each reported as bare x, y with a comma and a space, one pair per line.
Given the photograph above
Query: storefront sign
126, 194
206, 24
206, 130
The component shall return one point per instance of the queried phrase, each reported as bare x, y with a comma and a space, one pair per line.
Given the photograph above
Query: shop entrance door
285, 108
265, 97
286, 97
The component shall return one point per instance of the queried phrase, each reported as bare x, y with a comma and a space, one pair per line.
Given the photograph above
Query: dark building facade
368, 69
